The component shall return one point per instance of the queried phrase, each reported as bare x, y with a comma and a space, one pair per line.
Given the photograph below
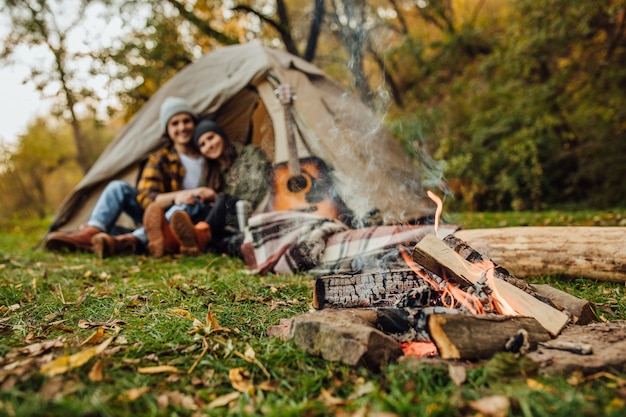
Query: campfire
444, 300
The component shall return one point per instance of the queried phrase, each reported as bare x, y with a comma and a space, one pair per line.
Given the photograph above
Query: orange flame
438, 211
451, 294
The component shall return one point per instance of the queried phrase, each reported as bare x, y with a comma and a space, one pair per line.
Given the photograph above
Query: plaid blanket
293, 241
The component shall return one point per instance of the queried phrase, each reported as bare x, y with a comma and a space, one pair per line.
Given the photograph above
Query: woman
235, 172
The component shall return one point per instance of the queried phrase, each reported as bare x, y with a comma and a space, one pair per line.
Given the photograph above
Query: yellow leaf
67, 362
240, 380
181, 313
95, 337
223, 400
157, 369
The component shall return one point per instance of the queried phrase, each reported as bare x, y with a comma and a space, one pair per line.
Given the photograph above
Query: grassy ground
125, 330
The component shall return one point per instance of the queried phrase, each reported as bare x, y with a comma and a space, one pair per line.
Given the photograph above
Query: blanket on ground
293, 241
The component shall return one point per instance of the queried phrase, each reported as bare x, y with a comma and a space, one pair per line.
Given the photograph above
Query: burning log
579, 309
472, 337
591, 252
434, 255
373, 289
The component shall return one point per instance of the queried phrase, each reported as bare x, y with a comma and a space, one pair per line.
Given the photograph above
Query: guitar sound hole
297, 183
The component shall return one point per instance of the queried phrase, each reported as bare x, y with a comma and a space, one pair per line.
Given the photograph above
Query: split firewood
473, 337
589, 252
343, 337
579, 309
434, 255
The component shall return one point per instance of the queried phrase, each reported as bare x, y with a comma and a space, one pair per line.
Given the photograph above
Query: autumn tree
46, 29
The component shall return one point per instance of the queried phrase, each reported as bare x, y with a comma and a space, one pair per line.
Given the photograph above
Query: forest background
504, 105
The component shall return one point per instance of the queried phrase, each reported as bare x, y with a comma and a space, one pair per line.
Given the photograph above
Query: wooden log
373, 289
580, 309
434, 255
576, 251
473, 337
343, 337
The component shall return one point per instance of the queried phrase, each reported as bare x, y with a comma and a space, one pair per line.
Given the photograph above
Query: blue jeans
117, 197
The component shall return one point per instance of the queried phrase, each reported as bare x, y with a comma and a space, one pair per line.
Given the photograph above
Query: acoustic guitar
302, 183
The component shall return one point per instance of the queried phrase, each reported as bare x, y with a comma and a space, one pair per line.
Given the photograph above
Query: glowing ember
419, 349
438, 211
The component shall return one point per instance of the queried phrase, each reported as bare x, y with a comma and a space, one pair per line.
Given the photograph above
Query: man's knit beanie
172, 106
207, 125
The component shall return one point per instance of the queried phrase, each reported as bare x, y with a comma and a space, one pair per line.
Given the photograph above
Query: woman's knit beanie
207, 125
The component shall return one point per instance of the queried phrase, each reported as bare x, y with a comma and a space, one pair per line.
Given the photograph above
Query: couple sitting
185, 196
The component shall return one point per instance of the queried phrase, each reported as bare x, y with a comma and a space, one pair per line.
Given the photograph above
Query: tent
237, 86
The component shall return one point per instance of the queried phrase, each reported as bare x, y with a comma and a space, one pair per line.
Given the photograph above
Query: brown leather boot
105, 245
72, 241
193, 239
161, 239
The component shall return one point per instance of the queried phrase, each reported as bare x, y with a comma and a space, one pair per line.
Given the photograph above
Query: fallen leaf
223, 400
180, 313
493, 406
67, 362
133, 393
157, 369
268, 385
458, 374
96, 373
177, 398
327, 399
240, 380
95, 337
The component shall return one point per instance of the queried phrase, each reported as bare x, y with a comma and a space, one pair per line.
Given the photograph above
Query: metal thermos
243, 212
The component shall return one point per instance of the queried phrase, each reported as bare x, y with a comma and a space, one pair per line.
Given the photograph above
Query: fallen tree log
575, 251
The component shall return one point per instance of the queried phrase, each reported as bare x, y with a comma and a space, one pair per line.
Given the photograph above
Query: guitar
302, 184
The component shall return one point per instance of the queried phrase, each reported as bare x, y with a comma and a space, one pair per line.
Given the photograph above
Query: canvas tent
236, 85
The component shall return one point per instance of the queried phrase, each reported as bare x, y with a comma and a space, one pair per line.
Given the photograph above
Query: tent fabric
236, 85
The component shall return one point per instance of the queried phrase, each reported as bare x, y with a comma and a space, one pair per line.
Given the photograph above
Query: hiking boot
161, 239
105, 245
193, 239
72, 241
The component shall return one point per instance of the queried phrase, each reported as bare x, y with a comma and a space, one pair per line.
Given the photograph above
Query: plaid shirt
162, 173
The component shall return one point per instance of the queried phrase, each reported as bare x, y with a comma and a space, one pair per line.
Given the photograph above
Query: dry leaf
96, 373
493, 406
180, 313
327, 398
458, 374
177, 398
95, 337
67, 362
157, 369
240, 380
223, 400
268, 385
249, 353
133, 393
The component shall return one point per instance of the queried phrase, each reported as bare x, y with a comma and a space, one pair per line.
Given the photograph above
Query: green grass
44, 296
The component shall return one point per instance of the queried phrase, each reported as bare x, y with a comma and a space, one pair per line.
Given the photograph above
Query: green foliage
40, 169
